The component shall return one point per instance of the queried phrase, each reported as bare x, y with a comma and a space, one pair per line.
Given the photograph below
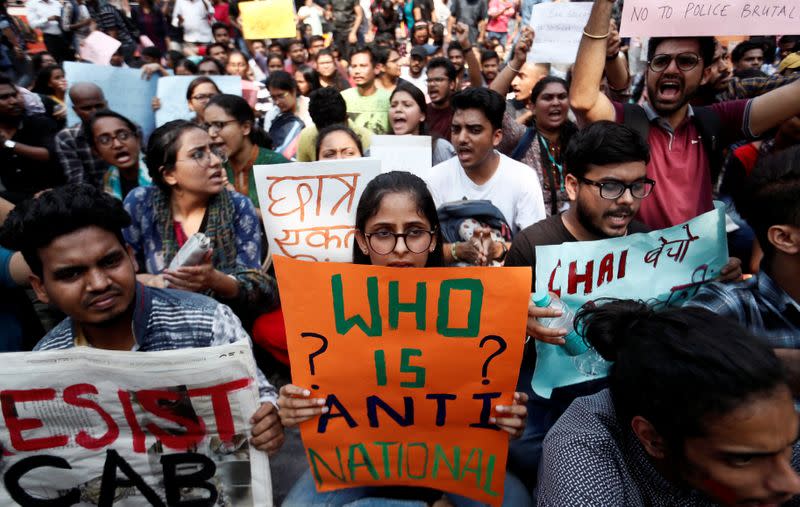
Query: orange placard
411, 363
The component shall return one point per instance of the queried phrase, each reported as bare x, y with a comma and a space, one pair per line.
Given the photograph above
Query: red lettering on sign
72, 396
130, 416
222, 407
574, 278
16, 425
175, 407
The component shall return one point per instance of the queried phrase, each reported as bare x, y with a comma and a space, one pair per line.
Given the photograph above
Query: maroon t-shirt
679, 165
439, 121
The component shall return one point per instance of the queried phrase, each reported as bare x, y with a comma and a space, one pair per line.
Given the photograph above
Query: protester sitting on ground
27, 160
606, 181
686, 155
769, 200
338, 141
542, 145
71, 237
407, 117
329, 71
307, 80
199, 92
230, 122
72, 144
480, 172
393, 204
51, 85
189, 196
117, 140
283, 122
732, 442
739, 165
326, 107
210, 67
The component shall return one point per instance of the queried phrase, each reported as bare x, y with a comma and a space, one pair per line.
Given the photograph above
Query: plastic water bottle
574, 343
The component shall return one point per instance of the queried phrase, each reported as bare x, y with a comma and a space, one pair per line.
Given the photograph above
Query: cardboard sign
657, 18
87, 426
668, 266
171, 91
403, 153
309, 208
268, 19
558, 28
99, 48
411, 363
125, 90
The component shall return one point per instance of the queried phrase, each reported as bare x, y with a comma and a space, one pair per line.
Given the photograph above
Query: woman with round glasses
231, 123
396, 226
117, 141
189, 196
199, 92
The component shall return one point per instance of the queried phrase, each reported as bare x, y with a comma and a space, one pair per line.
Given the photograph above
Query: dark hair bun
608, 324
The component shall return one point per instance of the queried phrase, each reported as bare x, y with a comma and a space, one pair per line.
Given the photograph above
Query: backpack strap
709, 124
635, 118
524, 143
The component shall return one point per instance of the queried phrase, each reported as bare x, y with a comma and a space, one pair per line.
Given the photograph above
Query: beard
588, 223
688, 95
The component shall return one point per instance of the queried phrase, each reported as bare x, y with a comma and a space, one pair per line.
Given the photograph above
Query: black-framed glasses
203, 157
685, 61
216, 125
384, 242
614, 189
120, 135
204, 96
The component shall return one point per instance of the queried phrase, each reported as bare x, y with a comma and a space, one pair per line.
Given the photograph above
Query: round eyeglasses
121, 135
614, 189
685, 61
384, 242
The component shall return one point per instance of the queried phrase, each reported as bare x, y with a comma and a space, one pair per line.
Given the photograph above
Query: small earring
366, 252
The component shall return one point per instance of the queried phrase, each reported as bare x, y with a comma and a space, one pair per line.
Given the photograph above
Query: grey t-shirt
470, 12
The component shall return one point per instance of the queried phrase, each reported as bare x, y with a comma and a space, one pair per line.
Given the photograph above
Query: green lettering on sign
365, 462
417, 307
343, 325
475, 287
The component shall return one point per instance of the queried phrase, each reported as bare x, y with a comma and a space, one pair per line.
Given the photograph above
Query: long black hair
398, 182
678, 367
241, 111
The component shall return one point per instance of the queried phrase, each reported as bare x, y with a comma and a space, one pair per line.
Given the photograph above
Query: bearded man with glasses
686, 144
606, 181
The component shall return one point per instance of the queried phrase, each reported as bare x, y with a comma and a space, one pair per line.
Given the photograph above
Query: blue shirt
759, 304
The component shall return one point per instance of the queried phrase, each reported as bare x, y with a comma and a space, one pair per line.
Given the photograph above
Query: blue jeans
501, 36
305, 494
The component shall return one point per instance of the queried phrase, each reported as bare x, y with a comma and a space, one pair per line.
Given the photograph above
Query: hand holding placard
405, 375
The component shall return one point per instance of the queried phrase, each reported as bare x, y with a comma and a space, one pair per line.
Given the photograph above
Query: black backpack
705, 119
452, 214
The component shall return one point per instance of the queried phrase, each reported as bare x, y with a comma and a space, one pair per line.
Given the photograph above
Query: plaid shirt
754, 86
758, 304
76, 158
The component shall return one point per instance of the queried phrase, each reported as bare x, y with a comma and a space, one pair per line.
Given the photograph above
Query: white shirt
311, 16
195, 20
38, 11
420, 82
514, 189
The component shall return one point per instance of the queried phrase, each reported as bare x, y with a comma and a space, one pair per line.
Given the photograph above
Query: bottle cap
541, 298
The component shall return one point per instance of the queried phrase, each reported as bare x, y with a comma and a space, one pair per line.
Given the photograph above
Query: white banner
309, 208
403, 153
558, 28
94, 427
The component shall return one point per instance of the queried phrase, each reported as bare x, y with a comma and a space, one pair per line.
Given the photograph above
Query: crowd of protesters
699, 405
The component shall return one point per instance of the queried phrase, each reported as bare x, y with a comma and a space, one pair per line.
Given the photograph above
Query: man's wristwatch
9, 144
